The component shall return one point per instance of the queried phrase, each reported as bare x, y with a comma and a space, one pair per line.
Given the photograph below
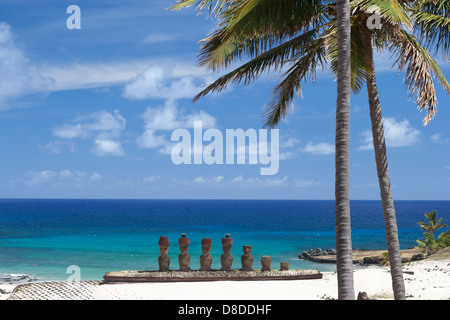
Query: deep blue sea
41, 238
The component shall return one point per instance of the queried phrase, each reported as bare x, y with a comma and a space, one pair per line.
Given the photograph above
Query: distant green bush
429, 243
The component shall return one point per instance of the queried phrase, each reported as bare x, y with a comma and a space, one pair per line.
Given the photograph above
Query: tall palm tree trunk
342, 191
384, 181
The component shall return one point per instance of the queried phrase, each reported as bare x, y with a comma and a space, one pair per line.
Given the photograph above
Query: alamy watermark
74, 21
229, 149
75, 272
374, 22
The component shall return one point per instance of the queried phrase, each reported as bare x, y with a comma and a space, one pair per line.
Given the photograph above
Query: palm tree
429, 228
305, 38
419, 81
344, 262
432, 224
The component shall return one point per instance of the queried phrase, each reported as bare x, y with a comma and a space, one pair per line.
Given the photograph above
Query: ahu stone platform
213, 275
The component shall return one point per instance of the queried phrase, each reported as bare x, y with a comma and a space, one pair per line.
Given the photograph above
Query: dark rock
372, 260
362, 296
418, 256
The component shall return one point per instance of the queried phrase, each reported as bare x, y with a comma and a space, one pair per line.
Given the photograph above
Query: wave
17, 278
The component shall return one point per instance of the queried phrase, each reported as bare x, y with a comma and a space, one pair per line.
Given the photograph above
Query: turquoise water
41, 238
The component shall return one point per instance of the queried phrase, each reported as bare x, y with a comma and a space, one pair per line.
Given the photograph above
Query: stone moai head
227, 243
183, 242
266, 262
247, 250
206, 246
164, 245
284, 266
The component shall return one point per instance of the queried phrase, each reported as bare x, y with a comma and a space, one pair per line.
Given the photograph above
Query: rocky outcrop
313, 254
361, 257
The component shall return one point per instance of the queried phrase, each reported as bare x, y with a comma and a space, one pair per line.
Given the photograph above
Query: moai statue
284, 266
247, 258
266, 262
206, 258
184, 259
226, 259
164, 259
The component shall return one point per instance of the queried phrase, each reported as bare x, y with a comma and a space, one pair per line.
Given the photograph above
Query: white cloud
305, 183
149, 139
165, 81
397, 134
95, 176
268, 182
97, 122
438, 138
36, 178
165, 118
400, 134
135, 74
157, 37
290, 143
92, 75
286, 155
151, 179
272, 182
200, 179
18, 75
70, 131
58, 147
321, 148
57, 178
144, 78
105, 127
108, 147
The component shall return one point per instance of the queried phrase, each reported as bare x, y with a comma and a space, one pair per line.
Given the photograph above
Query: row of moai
226, 259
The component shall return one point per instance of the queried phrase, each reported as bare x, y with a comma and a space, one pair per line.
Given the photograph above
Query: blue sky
81, 110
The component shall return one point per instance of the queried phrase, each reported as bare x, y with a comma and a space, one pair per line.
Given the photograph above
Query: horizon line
213, 199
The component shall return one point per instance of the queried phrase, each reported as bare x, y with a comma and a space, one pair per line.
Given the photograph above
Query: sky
89, 113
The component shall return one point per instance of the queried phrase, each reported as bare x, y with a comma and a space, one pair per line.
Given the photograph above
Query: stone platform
213, 275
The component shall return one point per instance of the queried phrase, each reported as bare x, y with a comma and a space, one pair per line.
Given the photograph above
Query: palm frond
433, 24
273, 59
251, 27
420, 69
304, 68
391, 11
214, 7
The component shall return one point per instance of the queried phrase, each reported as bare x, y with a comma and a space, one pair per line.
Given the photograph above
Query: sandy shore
424, 280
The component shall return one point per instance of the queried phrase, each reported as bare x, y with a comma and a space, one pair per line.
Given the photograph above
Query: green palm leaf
304, 68
391, 11
273, 59
420, 69
213, 6
251, 27
433, 24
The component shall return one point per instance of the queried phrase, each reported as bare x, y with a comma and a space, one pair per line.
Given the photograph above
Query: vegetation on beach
429, 243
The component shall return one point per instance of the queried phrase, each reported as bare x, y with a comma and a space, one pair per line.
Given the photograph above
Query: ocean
41, 238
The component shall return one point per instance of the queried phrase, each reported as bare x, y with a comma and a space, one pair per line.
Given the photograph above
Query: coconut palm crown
298, 37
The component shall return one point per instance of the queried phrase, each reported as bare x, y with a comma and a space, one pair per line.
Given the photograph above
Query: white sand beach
424, 280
